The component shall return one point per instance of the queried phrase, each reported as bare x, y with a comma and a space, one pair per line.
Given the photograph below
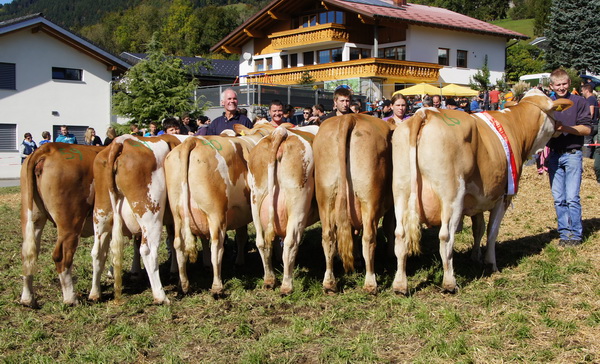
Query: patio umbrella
419, 89
456, 90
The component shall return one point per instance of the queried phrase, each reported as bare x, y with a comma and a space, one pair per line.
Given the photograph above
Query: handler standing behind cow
565, 160
230, 116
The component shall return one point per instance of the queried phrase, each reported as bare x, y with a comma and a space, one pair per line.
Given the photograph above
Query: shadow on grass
310, 262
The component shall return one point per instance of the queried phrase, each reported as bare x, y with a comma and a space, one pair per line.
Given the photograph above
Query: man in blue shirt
231, 116
565, 161
65, 136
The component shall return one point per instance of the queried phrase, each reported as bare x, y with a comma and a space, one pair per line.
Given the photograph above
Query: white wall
83, 103
423, 43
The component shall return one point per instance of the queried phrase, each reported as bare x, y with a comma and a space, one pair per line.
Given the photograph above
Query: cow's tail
189, 240
117, 241
411, 218
277, 137
29, 250
343, 223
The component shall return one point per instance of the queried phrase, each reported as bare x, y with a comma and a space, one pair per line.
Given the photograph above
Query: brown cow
56, 185
130, 201
209, 194
449, 163
281, 178
353, 160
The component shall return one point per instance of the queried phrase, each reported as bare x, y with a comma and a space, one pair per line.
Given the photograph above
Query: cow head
548, 107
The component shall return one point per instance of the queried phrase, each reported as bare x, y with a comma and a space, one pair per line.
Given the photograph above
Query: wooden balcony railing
302, 37
392, 70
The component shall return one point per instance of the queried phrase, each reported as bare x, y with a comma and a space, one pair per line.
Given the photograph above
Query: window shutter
8, 137
7, 76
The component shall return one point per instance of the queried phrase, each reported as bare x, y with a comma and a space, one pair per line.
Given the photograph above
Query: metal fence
260, 95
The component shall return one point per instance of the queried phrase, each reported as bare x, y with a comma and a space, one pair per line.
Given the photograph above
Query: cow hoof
71, 303
269, 284
32, 303
371, 290
286, 291
490, 269
450, 289
329, 290
401, 292
164, 301
217, 293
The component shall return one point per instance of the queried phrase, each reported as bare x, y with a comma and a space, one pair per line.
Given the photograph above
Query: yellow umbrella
456, 90
419, 89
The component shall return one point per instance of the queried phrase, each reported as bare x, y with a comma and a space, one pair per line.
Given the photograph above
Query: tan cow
449, 163
209, 194
281, 178
56, 185
353, 160
131, 199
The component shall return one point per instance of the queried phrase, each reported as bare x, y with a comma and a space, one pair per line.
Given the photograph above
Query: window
69, 74
461, 58
78, 131
311, 20
269, 62
330, 55
398, 53
309, 58
8, 76
260, 65
294, 60
444, 56
8, 137
359, 53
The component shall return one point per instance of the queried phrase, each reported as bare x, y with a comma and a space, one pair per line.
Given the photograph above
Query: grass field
544, 305
523, 26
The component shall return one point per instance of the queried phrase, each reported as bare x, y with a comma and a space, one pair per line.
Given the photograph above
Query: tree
155, 88
541, 13
481, 79
572, 35
523, 59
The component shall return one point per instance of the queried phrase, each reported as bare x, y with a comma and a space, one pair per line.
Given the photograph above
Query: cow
353, 160
209, 194
281, 179
448, 164
56, 184
131, 200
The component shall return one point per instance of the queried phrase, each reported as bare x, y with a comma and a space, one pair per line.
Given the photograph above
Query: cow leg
99, 253
400, 284
328, 242
136, 264
63, 260
180, 255
149, 253
32, 237
290, 251
173, 269
206, 253
241, 237
266, 251
478, 226
446, 236
369, 242
496, 215
217, 235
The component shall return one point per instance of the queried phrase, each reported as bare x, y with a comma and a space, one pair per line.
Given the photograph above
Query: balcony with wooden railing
316, 35
389, 69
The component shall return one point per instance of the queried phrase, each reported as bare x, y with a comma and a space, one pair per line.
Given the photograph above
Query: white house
50, 77
375, 46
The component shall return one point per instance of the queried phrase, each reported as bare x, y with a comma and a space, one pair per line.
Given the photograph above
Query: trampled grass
542, 307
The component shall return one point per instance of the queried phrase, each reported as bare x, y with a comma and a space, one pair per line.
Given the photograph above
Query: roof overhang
38, 23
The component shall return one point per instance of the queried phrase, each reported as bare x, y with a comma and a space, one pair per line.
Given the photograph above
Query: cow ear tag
559, 108
242, 133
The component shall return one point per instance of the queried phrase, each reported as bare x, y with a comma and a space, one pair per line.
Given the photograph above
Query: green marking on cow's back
214, 144
450, 121
71, 153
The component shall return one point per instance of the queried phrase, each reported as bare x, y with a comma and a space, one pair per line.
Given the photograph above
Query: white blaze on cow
281, 178
449, 163
208, 194
130, 201
56, 184
353, 188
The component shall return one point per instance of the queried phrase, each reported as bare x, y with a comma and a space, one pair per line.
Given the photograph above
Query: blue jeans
565, 171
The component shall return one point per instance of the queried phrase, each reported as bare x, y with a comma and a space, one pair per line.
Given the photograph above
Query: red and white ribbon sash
512, 187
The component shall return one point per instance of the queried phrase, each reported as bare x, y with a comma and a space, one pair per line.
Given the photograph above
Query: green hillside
523, 26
